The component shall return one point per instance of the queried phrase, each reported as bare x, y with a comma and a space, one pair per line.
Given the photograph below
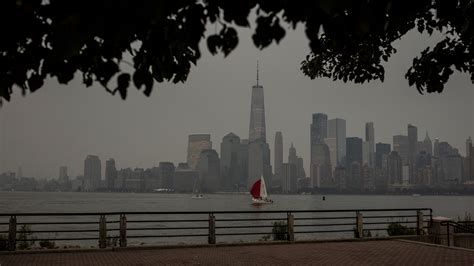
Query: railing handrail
457, 225
206, 212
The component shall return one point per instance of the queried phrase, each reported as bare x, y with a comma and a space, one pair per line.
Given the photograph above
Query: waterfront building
230, 162
185, 179
412, 144
278, 157
369, 145
318, 132
110, 173
289, 179
92, 172
196, 144
337, 130
400, 145
394, 168
209, 170
166, 175
353, 150
381, 149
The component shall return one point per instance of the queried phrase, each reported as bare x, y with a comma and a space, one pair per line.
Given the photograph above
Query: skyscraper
381, 149
259, 150
244, 162
166, 175
426, 145
353, 150
257, 130
412, 143
110, 173
337, 130
289, 179
368, 150
436, 147
92, 172
400, 145
319, 161
292, 158
196, 144
230, 162
209, 170
278, 158
394, 168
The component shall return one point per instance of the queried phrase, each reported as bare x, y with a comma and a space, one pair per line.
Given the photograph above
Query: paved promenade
383, 252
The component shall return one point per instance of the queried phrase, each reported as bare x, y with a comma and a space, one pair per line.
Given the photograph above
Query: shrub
3, 242
279, 231
47, 244
398, 229
112, 241
25, 240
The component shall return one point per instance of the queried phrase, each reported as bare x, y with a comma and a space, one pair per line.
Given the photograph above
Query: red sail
255, 191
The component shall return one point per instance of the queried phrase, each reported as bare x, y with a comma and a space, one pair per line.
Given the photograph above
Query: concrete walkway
383, 252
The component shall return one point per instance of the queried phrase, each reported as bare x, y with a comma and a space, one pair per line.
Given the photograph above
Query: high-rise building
244, 162
63, 177
196, 144
289, 179
259, 162
426, 145
110, 173
259, 150
381, 149
257, 129
209, 170
166, 175
436, 147
337, 130
318, 132
300, 168
92, 172
353, 150
332, 147
369, 149
400, 145
185, 179
230, 162
412, 143
394, 168
278, 158
292, 157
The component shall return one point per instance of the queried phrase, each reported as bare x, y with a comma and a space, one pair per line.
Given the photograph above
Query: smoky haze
61, 124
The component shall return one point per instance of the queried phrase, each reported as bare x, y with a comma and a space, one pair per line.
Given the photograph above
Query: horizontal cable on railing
298, 225
55, 223
164, 221
242, 234
391, 216
249, 219
58, 239
62, 231
325, 231
325, 218
165, 228
155, 236
243, 226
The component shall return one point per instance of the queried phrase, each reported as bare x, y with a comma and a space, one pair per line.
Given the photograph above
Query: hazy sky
60, 125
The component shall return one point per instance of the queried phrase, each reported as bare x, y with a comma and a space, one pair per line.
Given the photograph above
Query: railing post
419, 222
290, 225
359, 225
447, 234
102, 231
212, 229
12, 233
123, 230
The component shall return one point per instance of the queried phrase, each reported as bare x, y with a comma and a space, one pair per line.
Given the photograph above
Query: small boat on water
197, 191
259, 193
415, 195
198, 196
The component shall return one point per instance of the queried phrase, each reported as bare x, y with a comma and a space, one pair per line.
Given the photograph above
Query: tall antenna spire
257, 73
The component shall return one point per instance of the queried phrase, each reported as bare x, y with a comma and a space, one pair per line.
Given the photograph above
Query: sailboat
259, 192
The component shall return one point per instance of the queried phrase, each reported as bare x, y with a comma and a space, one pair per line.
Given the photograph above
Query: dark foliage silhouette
348, 39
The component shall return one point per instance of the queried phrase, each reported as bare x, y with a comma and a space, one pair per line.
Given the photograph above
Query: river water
20, 202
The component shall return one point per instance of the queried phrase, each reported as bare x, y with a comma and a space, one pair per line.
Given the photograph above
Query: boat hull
261, 201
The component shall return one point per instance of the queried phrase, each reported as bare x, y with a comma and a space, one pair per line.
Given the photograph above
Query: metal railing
458, 228
215, 225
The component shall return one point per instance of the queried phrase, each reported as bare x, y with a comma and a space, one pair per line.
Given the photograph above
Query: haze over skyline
62, 124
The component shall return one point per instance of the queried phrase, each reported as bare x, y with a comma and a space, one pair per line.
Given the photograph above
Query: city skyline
144, 131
